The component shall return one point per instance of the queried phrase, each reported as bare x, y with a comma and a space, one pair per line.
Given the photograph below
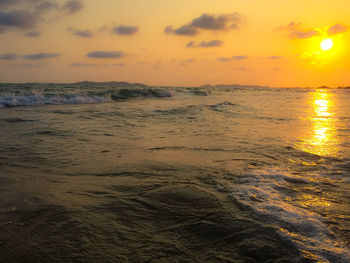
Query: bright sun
327, 44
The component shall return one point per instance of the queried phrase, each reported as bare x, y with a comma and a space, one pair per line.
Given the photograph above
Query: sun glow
326, 44
321, 138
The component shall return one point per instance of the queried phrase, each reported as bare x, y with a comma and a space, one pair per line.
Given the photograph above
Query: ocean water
119, 172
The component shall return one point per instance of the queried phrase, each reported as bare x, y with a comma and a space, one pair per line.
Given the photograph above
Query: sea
122, 172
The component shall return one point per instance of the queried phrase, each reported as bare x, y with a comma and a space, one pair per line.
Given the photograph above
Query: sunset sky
159, 42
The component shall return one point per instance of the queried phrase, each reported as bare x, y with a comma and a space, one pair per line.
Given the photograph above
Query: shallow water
129, 173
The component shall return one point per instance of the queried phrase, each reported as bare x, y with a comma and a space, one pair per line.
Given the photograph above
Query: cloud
190, 60
274, 57
46, 6
27, 65
18, 19
296, 31
103, 28
83, 65
191, 44
125, 30
9, 56
29, 14
240, 57
114, 65
241, 68
40, 56
182, 31
221, 22
290, 27
227, 59
73, 6
40, 4
5, 3
207, 22
337, 29
33, 34
211, 43
37, 56
224, 59
105, 54
183, 62
304, 34
85, 33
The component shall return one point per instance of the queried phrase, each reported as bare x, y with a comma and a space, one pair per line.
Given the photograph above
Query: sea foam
39, 99
263, 193
36, 95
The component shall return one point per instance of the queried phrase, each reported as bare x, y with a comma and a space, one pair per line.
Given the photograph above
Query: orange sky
270, 42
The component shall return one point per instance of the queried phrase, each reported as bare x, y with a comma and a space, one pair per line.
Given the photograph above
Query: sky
161, 42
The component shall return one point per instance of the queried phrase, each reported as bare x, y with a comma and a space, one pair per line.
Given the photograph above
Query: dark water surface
131, 173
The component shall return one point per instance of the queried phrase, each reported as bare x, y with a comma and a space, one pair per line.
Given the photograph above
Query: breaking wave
264, 193
14, 95
36, 100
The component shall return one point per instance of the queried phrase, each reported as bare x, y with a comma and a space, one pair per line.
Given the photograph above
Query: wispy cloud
36, 56
83, 65
207, 22
234, 58
39, 56
84, 33
304, 34
337, 29
182, 31
210, 43
125, 30
274, 57
33, 34
105, 54
183, 62
297, 31
6, 3
29, 14
9, 56
27, 65
18, 19
46, 6
73, 6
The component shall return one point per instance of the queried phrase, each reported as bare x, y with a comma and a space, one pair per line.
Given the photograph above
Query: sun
326, 44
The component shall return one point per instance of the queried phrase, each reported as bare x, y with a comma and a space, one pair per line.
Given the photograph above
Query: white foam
39, 99
262, 193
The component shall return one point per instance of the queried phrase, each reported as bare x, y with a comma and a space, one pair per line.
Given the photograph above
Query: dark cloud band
84, 33
8, 56
125, 30
18, 19
207, 22
73, 6
237, 58
105, 54
40, 56
211, 43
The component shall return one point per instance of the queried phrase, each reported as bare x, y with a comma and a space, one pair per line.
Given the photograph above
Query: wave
33, 95
222, 106
37, 100
264, 194
147, 92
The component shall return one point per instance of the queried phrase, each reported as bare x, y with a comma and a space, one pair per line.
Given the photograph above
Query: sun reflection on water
321, 138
